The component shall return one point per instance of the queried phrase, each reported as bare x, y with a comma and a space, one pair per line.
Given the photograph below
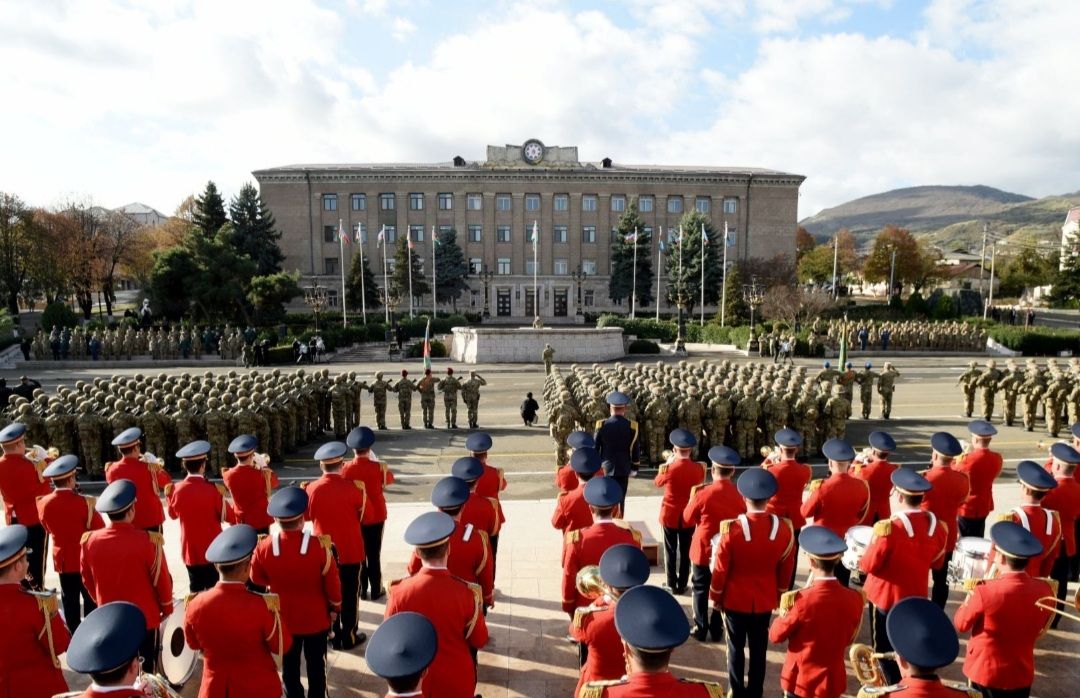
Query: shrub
643, 328
58, 314
438, 350
643, 346
1036, 341
280, 355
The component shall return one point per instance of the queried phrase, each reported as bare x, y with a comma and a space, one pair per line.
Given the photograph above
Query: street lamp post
753, 296
315, 296
680, 303
486, 276
578, 276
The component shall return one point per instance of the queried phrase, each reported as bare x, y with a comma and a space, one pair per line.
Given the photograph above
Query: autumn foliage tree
816, 266
914, 263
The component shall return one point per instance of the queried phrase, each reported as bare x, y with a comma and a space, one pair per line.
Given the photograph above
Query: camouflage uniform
747, 412
562, 425
404, 389
988, 381
218, 425
969, 381
886, 386
378, 389
866, 379
426, 387
548, 357
837, 411
89, 425
449, 387
153, 429
340, 399
470, 393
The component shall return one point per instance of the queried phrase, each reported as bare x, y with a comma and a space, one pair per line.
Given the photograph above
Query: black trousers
970, 527
150, 651
746, 631
37, 540
371, 569
313, 648
494, 553
75, 599
1001, 692
791, 582
677, 556
201, 577
939, 593
345, 636
705, 619
881, 642
1075, 567
1060, 574
623, 481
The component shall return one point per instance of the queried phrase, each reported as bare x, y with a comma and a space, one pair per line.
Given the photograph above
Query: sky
146, 100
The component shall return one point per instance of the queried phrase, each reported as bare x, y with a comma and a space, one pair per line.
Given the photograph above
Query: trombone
1058, 606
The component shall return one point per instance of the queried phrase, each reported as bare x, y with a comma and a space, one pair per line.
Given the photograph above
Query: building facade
1070, 237
494, 205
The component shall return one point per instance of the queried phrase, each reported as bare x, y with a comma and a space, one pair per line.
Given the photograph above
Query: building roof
135, 208
958, 270
480, 166
1073, 216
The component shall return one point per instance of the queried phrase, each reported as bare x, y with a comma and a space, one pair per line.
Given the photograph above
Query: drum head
177, 659
860, 534
972, 546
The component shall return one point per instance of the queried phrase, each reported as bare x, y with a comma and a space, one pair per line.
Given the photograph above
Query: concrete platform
526, 345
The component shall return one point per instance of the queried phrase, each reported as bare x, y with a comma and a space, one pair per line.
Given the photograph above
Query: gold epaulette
580, 613
662, 469
189, 597
963, 688
599, 423
328, 546
725, 526
222, 490
694, 490
595, 689
91, 504
1007, 516
573, 537
883, 528
156, 538
871, 691
711, 686
273, 602
169, 489
395, 582
304, 484
787, 601
816, 484
85, 536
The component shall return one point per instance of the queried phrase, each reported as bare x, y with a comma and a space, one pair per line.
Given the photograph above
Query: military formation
905, 335
125, 343
1048, 392
720, 403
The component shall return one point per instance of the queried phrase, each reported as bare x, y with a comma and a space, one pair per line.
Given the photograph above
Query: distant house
966, 275
143, 214
1070, 236
959, 256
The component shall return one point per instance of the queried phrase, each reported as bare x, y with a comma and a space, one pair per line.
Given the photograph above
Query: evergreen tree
253, 231
1066, 290
450, 269
372, 294
689, 250
209, 211
622, 260
736, 311
399, 280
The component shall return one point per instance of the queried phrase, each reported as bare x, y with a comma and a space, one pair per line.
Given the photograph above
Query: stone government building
492, 205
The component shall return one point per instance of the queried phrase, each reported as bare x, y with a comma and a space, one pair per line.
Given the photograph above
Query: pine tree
450, 269
253, 231
622, 260
399, 280
372, 294
209, 211
689, 250
736, 311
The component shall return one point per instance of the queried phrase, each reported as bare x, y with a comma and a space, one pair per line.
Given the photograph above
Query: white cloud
402, 28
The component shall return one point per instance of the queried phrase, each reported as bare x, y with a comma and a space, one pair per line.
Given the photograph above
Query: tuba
588, 582
866, 664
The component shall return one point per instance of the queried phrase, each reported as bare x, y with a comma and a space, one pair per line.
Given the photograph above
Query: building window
674, 204
416, 233
474, 202
503, 267
330, 266
502, 202
444, 229
475, 233
416, 202
331, 299
589, 266
645, 204
391, 234
329, 202
476, 265
529, 267
386, 202
589, 298
391, 265
731, 205
646, 231
329, 233
446, 202
618, 204
701, 204
502, 233
532, 202
359, 233
359, 202
588, 233
559, 233
588, 202
560, 267
561, 202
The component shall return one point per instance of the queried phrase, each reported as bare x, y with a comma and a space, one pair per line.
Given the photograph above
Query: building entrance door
502, 304
530, 303
560, 302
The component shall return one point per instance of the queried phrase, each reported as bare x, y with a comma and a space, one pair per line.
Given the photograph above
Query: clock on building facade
533, 151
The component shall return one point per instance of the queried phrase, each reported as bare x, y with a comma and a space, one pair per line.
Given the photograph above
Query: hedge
438, 350
1036, 341
643, 346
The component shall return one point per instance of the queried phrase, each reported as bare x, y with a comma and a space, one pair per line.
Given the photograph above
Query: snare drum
970, 560
178, 660
857, 539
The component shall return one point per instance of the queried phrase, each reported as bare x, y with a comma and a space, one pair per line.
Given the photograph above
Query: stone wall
526, 345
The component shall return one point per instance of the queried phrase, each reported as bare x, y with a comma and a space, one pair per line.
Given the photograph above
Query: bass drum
177, 660
858, 540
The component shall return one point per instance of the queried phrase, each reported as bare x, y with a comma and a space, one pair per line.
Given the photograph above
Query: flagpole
659, 270
408, 252
386, 277
363, 279
633, 292
434, 284
536, 244
341, 256
702, 261
723, 287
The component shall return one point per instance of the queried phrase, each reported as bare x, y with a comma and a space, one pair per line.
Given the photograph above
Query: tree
450, 269
169, 282
209, 214
119, 237
254, 234
804, 242
219, 290
794, 304
912, 260
816, 266
1029, 268
269, 293
372, 298
735, 308
87, 228
399, 280
1066, 291
16, 247
688, 248
622, 278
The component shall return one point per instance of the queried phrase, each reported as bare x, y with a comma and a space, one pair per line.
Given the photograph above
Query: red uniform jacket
149, 481
837, 502
585, 547
754, 559
115, 693
1044, 524
982, 466
877, 474
822, 621
67, 515
949, 490
201, 508
708, 506
1004, 623
239, 632
490, 485
662, 684
250, 488
124, 563
20, 486
469, 559
898, 560
571, 510
301, 570
1065, 500
595, 627
454, 607
911, 687
481, 512
791, 478
26, 662
336, 506
678, 480
566, 479
375, 476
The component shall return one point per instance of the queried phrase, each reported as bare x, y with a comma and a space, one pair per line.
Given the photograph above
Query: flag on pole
435, 237
427, 344
662, 248
408, 238
359, 237
535, 235
631, 237
704, 235
382, 235
341, 232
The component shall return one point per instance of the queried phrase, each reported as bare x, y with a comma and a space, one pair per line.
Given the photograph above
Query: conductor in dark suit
618, 444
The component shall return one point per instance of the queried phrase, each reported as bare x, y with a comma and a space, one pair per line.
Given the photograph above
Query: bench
649, 544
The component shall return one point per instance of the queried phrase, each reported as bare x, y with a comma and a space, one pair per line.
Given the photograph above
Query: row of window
504, 202
559, 233
503, 266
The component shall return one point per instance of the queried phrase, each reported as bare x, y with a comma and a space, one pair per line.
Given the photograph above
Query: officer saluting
20, 485
201, 508
571, 510
149, 480
651, 624
34, 633
106, 647
249, 484
618, 443
401, 650
240, 633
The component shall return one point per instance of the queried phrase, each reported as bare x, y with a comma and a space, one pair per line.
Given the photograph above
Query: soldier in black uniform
618, 444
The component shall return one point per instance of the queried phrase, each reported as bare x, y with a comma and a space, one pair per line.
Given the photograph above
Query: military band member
492, 482
982, 466
336, 507
818, 622
877, 472
949, 490
300, 569
250, 484
618, 443
106, 647
1003, 619
565, 477
622, 567
201, 508
791, 480
586, 546
34, 634
401, 650
753, 561
898, 560
20, 485
571, 510
679, 476
709, 505
453, 606
124, 563
240, 633
840, 501
481, 512
149, 479
66, 516
1065, 500
1043, 523
651, 624
365, 468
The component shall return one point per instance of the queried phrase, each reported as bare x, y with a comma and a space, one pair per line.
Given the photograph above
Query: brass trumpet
1056, 605
866, 664
770, 454
588, 582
